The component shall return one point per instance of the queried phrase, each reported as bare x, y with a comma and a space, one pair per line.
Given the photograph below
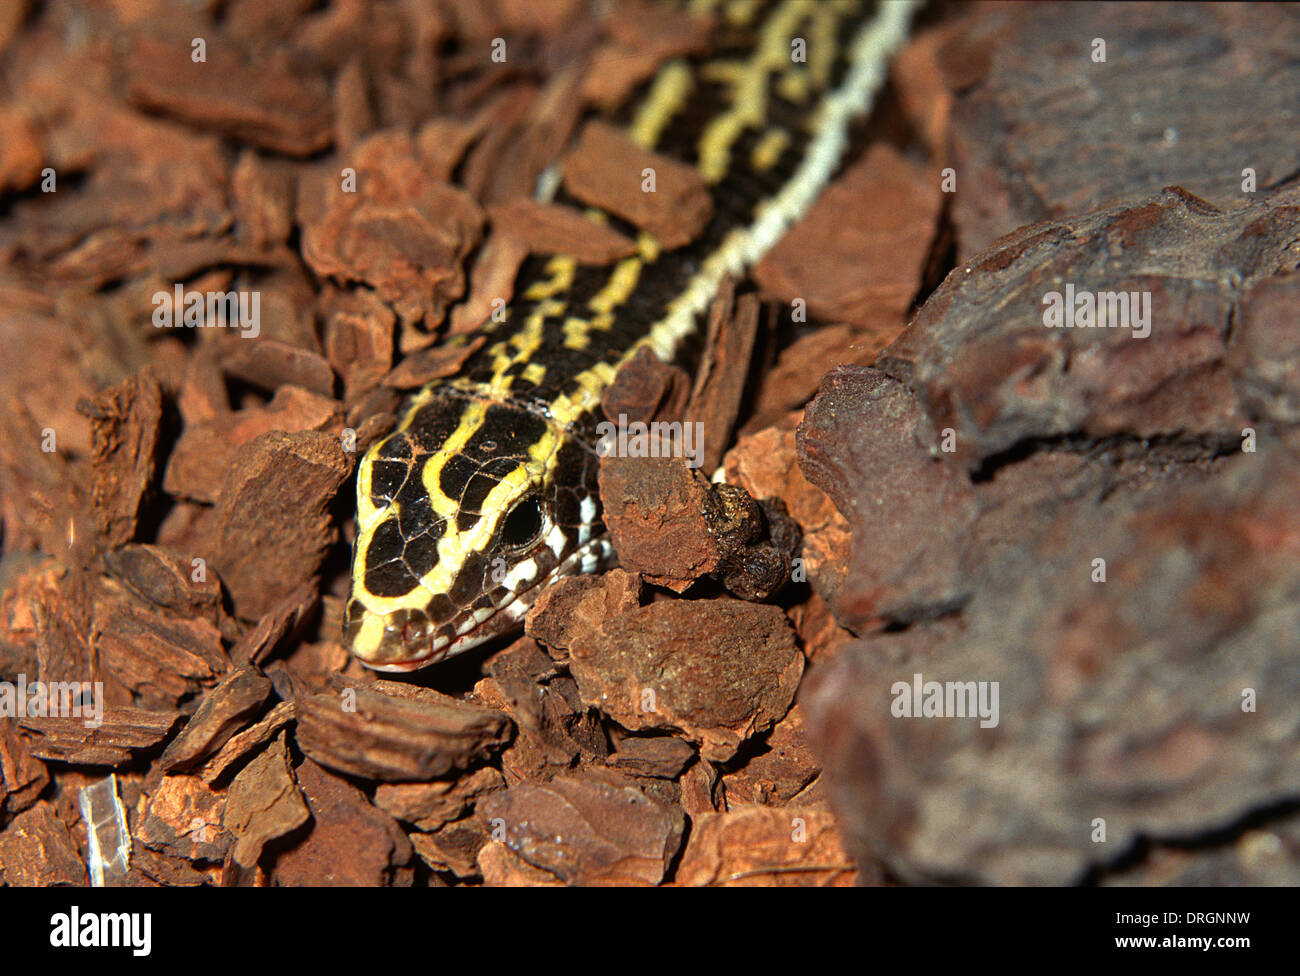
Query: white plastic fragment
109, 848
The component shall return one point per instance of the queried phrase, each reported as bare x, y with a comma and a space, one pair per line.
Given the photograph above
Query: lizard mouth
504, 618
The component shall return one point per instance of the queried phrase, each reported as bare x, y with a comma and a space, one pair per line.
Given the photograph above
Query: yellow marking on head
368, 519
534, 373
446, 508
454, 545
366, 509
749, 90
470, 421
769, 149
542, 458
667, 95
370, 634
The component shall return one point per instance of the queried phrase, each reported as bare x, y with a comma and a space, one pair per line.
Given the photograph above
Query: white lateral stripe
872, 49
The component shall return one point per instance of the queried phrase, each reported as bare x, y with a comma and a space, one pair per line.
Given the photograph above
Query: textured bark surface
176, 501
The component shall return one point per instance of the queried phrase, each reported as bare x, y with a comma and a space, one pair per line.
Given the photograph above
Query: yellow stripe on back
745, 245
749, 83
735, 137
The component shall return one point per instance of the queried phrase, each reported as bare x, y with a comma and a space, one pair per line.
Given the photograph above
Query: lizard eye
523, 524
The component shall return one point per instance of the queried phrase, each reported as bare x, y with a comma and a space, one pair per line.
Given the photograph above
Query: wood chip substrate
911, 475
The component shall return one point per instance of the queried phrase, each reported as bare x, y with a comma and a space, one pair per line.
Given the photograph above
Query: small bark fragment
263, 804
584, 831
225, 710
368, 733
608, 170
766, 848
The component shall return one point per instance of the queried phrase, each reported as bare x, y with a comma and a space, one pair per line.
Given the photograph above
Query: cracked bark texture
1105, 526
1046, 123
